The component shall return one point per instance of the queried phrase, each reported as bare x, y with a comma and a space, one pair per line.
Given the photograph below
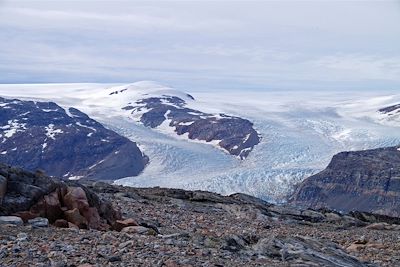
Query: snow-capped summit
143, 89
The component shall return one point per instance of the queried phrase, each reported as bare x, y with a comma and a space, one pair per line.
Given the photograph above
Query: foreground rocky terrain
64, 142
366, 180
170, 227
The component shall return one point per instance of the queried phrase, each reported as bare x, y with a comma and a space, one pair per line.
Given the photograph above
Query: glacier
301, 131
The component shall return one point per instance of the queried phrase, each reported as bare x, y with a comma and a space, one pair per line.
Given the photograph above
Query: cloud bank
203, 44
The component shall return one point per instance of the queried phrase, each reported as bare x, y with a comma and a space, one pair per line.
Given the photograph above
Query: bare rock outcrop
367, 181
31, 195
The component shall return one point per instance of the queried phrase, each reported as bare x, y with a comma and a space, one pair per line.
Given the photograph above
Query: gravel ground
202, 229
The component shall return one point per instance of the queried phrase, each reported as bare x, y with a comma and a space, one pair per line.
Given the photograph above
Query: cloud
356, 66
264, 44
52, 18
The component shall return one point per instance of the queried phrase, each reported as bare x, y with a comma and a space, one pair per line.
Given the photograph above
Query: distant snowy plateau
276, 138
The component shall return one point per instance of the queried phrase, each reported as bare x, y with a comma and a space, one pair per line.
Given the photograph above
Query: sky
203, 44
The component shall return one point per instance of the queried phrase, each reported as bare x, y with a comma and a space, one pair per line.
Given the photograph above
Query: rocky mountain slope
172, 227
64, 142
361, 180
168, 111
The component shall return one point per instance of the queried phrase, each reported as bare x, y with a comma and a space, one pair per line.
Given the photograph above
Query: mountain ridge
64, 142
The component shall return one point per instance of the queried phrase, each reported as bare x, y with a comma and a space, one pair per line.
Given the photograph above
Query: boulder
75, 198
61, 223
22, 237
234, 243
25, 189
93, 218
3, 188
30, 195
14, 220
120, 224
138, 230
39, 222
53, 205
76, 218
104, 207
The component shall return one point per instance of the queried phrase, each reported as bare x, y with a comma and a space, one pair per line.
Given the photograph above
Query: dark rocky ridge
236, 135
390, 109
42, 135
361, 180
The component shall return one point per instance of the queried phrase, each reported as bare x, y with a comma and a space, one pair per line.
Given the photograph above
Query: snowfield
300, 132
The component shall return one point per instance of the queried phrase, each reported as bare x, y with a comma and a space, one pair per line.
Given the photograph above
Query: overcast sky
203, 44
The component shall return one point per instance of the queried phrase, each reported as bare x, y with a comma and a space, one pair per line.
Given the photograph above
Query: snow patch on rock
12, 128
51, 132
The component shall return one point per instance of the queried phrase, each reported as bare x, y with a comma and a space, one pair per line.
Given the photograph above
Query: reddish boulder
138, 230
76, 218
49, 206
53, 206
92, 216
120, 224
76, 198
61, 223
